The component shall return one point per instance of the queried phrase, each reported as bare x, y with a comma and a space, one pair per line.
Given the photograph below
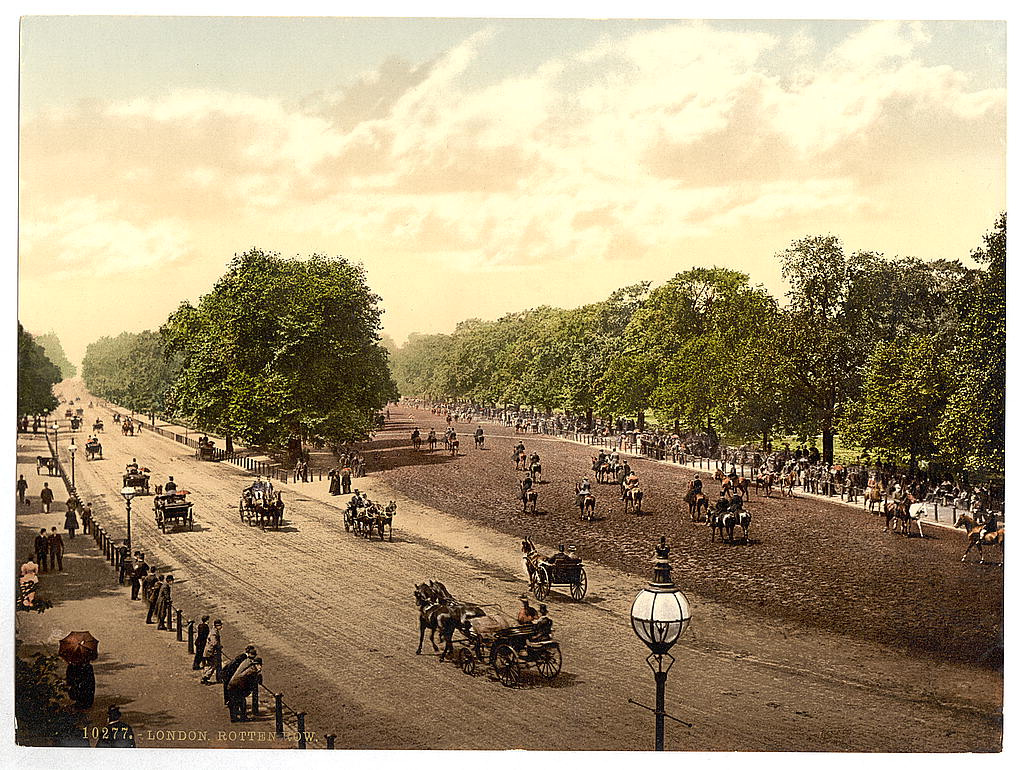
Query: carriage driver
170, 487
132, 467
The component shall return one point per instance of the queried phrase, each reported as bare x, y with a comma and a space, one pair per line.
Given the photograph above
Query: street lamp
71, 450
660, 614
128, 493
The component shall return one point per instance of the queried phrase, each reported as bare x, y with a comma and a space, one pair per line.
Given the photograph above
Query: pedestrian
202, 634
153, 597
139, 571
228, 671
346, 480
87, 519
55, 545
246, 679
22, 487
42, 548
211, 652
333, 482
116, 734
81, 684
163, 605
124, 562
70, 523
29, 581
46, 497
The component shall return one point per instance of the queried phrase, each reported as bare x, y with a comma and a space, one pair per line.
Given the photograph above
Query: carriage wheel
241, 511
467, 662
162, 522
542, 584
579, 589
190, 521
549, 662
506, 665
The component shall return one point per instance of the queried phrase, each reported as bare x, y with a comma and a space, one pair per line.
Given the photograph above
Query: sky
480, 166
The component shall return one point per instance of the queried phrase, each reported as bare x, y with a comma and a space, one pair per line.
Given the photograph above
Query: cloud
631, 145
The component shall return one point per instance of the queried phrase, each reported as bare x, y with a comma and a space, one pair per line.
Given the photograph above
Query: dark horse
528, 497
442, 613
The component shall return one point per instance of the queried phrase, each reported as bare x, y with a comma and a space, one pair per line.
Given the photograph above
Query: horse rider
583, 487
521, 448
415, 435
990, 525
479, 431
432, 437
170, 487
696, 488
632, 481
534, 459
526, 484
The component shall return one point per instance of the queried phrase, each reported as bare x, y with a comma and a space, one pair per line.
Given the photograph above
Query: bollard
278, 715
256, 701
179, 624
191, 636
217, 664
330, 740
301, 717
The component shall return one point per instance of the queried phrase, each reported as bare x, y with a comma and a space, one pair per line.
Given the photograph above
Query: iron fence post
279, 714
191, 637
301, 717
178, 616
330, 740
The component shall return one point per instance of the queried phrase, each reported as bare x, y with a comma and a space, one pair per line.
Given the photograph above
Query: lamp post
71, 450
128, 493
660, 614
56, 427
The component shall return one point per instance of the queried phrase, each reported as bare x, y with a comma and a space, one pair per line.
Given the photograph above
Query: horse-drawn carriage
365, 518
564, 569
48, 463
97, 427
508, 648
206, 450
69, 413
76, 422
127, 427
172, 509
261, 505
93, 449
137, 477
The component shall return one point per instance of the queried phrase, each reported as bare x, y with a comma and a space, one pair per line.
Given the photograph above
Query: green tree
37, 375
135, 370
283, 348
50, 344
972, 431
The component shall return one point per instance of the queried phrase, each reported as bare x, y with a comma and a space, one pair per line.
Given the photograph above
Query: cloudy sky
480, 166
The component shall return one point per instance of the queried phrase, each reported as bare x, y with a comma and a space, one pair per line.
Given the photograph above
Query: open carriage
509, 649
369, 520
261, 505
561, 569
93, 449
137, 478
97, 427
172, 509
47, 463
76, 422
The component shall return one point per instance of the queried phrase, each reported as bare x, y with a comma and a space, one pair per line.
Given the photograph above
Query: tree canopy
135, 370
50, 344
37, 375
282, 348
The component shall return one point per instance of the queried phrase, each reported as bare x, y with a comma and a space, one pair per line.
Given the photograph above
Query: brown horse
977, 537
698, 503
528, 498
587, 503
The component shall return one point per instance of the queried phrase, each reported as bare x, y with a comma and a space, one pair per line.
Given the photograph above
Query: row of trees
279, 349
37, 375
901, 356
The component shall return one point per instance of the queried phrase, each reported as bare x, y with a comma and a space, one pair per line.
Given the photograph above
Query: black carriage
261, 505
137, 478
76, 423
68, 413
97, 427
206, 452
172, 510
93, 450
48, 463
562, 569
509, 649
79, 412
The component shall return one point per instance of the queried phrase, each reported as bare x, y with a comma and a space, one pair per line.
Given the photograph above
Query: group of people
350, 465
240, 677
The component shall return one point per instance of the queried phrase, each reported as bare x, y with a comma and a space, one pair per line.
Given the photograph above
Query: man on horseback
526, 484
631, 482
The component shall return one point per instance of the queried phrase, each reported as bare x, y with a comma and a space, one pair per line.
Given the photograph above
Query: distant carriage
76, 423
93, 450
206, 451
172, 510
137, 478
97, 427
369, 520
261, 505
562, 568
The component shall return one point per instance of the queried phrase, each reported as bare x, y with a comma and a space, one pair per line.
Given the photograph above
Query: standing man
245, 680
139, 572
55, 544
42, 546
22, 489
153, 596
211, 651
46, 497
116, 734
163, 606
202, 634
125, 565
87, 519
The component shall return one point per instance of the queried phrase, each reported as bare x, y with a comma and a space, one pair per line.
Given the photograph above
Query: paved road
335, 620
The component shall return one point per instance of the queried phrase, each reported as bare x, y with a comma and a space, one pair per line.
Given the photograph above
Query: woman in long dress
29, 581
71, 523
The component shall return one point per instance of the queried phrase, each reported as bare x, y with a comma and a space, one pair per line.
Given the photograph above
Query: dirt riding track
818, 632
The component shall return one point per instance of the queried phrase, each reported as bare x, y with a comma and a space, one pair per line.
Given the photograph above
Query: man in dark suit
202, 634
116, 734
163, 605
153, 594
139, 572
42, 549
125, 565
229, 670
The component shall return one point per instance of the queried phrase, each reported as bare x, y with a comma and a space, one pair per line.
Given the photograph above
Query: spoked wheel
542, 584
549, 662
506, 666
190, 521
579, 589
467, 662
241, 512
162, 522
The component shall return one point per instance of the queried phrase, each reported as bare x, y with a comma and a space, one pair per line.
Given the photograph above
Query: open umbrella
79, 647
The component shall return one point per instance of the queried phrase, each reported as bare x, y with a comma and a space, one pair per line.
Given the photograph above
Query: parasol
79, 647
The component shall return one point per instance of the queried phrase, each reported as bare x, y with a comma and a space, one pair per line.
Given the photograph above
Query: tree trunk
640, 420
228, 445
675, 423
590, 418
828, 445
764, 441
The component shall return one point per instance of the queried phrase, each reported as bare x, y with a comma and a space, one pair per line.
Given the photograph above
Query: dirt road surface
817, 633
